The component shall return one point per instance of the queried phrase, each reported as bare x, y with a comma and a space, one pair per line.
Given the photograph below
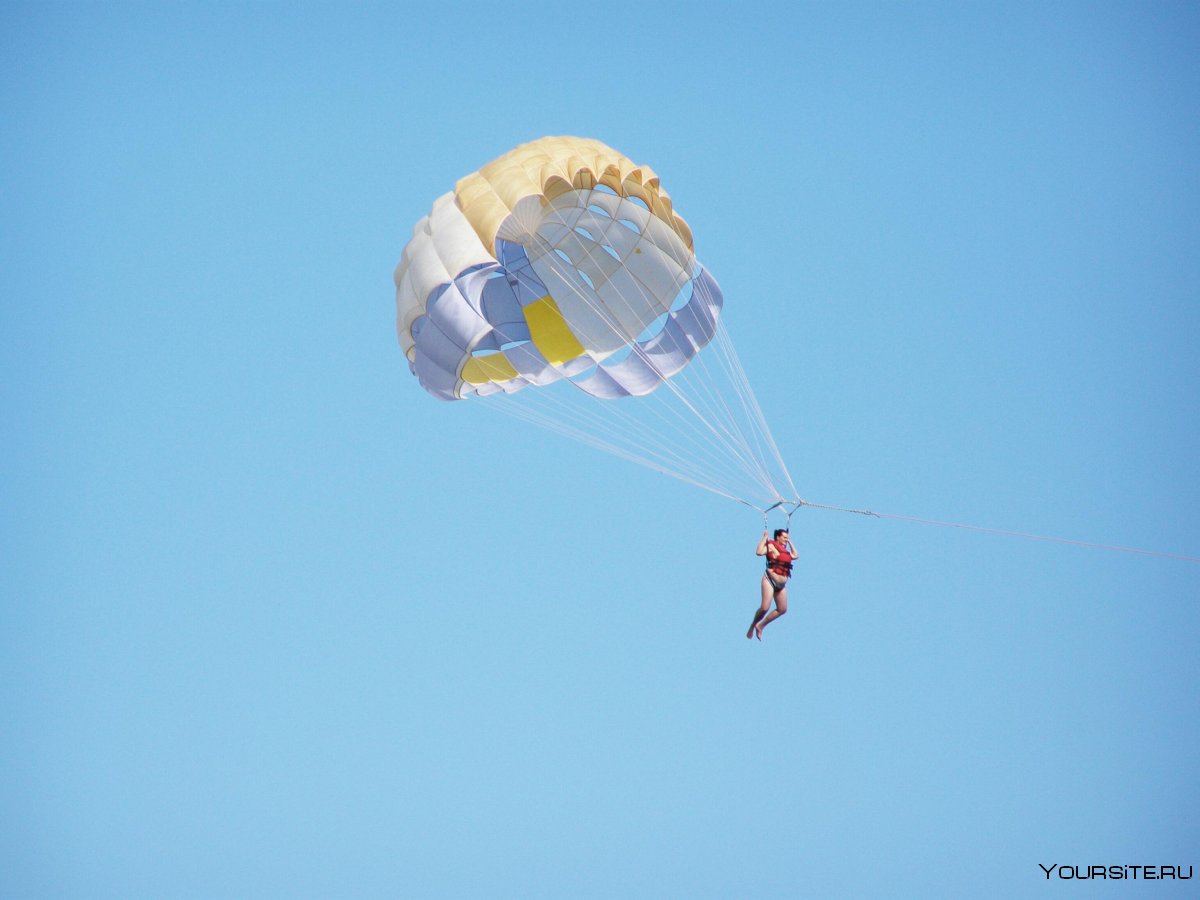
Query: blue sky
275, 623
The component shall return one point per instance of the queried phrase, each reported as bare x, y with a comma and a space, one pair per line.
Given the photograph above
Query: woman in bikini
779, 553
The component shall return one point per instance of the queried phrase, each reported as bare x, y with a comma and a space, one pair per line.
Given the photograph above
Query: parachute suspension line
604, 425
755, 434
750, 410
1116, 548
697, 395
649, 452
607, 426
747, 394
691, 388
695, 391
721, 349
709, 410
781, 506
652, 450
552, 424
616, 418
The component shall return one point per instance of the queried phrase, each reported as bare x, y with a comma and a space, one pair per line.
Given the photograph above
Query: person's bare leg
768, 593
753, 630
779, 610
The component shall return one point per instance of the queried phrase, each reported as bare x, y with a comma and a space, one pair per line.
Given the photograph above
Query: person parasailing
780, 555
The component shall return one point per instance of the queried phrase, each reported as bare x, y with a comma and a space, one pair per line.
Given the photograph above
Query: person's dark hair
778, 532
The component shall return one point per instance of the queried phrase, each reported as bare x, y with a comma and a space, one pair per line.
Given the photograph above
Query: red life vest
782, 563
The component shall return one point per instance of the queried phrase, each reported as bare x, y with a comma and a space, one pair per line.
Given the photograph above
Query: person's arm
761, 550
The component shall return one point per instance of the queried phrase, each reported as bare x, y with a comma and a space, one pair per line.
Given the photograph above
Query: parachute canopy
562, 258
